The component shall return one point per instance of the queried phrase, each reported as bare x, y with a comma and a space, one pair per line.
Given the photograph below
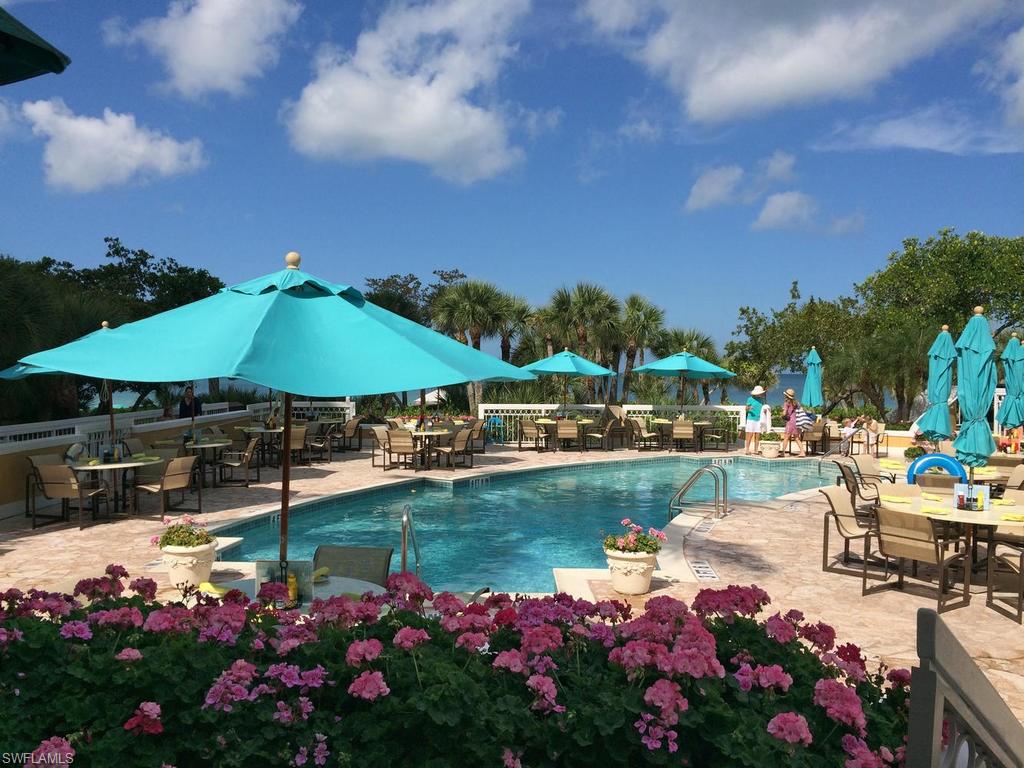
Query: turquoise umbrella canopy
567, 364
24, 54
289, 331
811, 396
976, 386
1011, 412
934, 422
686, 365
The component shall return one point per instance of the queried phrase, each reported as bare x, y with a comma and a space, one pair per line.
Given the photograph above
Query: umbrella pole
423, 406
565, 395
286, 466
113, 427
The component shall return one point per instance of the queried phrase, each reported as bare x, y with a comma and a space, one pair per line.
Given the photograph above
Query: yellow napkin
892, 463
93, 462
1013, 518
936, 510
932, 497
320, 575
212, 589
138, 456
896, 499
1004, 502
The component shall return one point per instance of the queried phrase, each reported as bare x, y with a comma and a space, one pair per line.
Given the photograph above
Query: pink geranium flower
408, 638
369, 686
790, 727
360, 651
55, 750
129, 654
146, 719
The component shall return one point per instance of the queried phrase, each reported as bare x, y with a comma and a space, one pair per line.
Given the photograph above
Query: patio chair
939, 481
815, 438
347, 437
394, 424
59, 482
859, 488
34, 485
241, 460
946, 447
567, 432
133, 446
843, 515
605, 436
530, 432
477, 436
321, 442
380, 440
177, 476
402, 445
642, 437
868, 468
683, 431
297, 446
1016, 479
370, 564
908, 536
1006, 567
459, 447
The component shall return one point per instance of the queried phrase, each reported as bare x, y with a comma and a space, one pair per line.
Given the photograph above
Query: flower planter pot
631, 571
189, 565
770, 450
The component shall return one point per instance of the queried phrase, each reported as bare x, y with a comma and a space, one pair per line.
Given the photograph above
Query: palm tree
586, 310
514, 316
696, 343
643, 323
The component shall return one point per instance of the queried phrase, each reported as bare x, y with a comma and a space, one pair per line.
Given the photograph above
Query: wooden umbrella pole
193, 411
286, 462
423, 406
113, 427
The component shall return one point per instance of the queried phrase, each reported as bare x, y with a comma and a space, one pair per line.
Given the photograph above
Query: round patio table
551, 427
264, 440
989, 519
115, 468
426, 437
200, 450
699, 427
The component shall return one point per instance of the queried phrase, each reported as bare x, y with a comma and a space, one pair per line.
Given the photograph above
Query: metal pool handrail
409, 531
721, 478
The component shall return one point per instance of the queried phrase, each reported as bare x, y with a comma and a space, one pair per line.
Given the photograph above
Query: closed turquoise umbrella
934, 422
569, 365
1011, 412
811, 396
976, 386
288, 331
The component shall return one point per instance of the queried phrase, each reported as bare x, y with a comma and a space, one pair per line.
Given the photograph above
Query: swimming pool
509, 531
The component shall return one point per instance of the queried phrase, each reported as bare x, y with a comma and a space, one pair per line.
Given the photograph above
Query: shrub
771, 437
913, 452
184, 532
634, 539
124, 681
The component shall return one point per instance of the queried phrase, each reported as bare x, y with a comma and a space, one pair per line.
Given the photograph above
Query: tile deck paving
753, 544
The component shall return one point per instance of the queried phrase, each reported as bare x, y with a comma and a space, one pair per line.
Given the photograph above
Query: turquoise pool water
509, 532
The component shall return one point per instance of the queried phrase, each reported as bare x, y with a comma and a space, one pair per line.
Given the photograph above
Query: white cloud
847, 225
211, 45
732, 58
935, 128
414, 89
715, 186
84, 153
8, 118
640, 124
778, 166
1009, 74
786, 210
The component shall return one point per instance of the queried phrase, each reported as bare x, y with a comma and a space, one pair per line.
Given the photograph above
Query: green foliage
185, 532
770, 437
634, 539
913, 452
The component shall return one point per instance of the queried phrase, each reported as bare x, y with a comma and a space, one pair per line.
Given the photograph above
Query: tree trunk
627, 371
475, 388
549, 344
902, 406
141, 399
213, 388
706, 389
506, 348
613, 380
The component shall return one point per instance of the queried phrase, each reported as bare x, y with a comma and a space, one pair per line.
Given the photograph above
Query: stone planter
189, 565
770, 450
631, 571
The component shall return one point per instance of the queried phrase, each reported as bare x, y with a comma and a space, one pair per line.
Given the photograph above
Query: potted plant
632, 556
188, 550
770, 445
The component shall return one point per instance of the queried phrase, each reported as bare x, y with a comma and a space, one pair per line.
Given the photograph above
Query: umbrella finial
292, 260
565, 349
945, 327
1014, 335
104, 324
978, 309
813, 346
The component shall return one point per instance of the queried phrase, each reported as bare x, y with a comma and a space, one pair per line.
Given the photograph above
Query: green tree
642, 324
514, 317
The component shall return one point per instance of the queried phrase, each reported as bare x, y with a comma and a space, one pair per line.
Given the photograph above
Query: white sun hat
758, 390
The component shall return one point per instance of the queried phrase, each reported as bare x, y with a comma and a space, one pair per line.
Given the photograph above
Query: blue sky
703, 154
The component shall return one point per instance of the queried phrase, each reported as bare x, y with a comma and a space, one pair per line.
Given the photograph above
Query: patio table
264, 444
989, 519
115, 468
426, 438
200, 450
698, 429
551, 427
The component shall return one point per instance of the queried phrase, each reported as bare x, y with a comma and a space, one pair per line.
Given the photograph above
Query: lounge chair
59, 482
683, 431
402, 445
347, 437
177, 476
459, 447
642, 437
908, 536
530, 432
370, 564
843, 515
241, 460
567, 432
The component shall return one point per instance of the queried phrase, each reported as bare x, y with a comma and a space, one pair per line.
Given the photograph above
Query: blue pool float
941, 460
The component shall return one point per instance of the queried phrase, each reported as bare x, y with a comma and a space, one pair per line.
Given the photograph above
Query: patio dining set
615, 430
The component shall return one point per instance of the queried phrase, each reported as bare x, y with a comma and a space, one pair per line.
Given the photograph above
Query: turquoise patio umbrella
976, 386
686, 366
934, 422
1011, 412
289, 331
811, 396
569, 365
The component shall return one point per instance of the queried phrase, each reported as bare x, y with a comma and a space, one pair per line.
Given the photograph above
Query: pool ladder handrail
721, 478
842, 449
409, 531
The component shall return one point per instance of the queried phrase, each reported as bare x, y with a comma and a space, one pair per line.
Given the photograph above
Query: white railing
507, 416
302, 409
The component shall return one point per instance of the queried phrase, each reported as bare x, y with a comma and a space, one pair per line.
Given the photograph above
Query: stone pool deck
776, 545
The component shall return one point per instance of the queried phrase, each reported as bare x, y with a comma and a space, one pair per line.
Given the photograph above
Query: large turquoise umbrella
934, 422
976, 386
811, 396
1011, 412
24, 54
686, 366
288, 331
569, 365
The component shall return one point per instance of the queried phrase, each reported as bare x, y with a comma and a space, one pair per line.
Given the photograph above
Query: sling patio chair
151, 473
321, 442
240, 460
177, 476
859, 488
937, 480
298, 445
477, 436
370, 564
567, 433
843, 516
642, 437
34, 485
683, 431
816, 438
867, 467
908, 536
380, 440
530, 432
1005, 587
1016, 479
59, 482
402, 445
605, 436
133, 446
459, 446
347, 437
